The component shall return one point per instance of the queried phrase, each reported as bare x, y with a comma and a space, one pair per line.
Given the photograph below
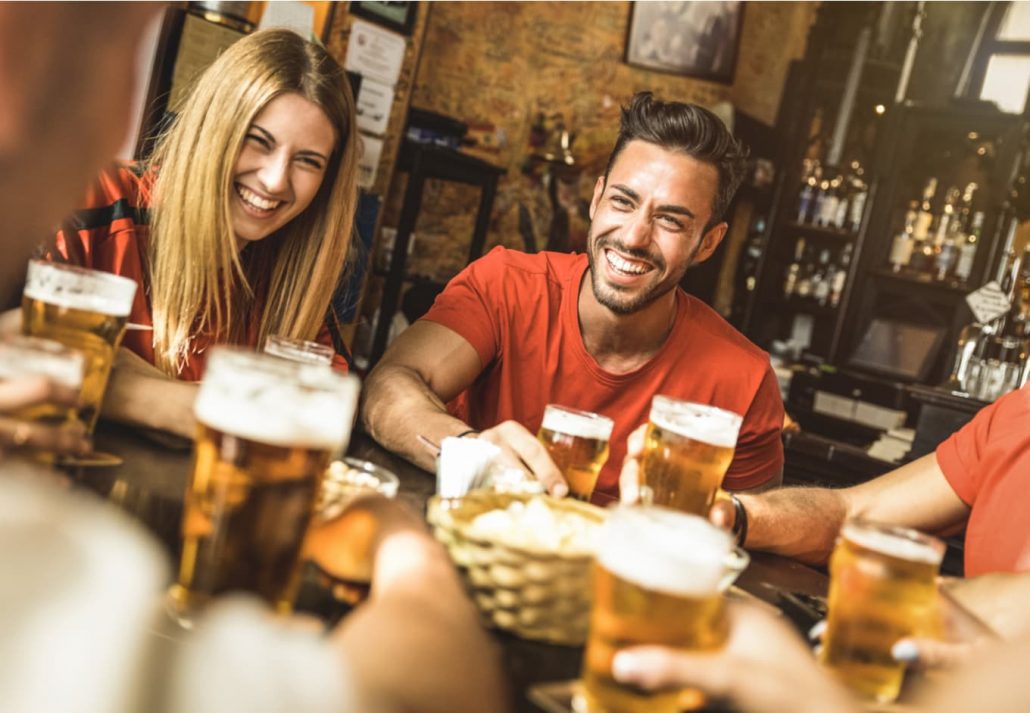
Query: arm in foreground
804, 522
417, 643
140, 394
406, 394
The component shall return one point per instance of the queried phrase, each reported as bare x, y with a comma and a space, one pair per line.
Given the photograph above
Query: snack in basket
536, 526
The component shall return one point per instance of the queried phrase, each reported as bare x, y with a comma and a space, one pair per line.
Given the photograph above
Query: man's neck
621, 343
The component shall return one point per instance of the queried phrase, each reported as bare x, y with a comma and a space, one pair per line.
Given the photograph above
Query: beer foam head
266, 399
898, 542
581, 424
665, 550
298, 350
699, 422
22, 356
78, 288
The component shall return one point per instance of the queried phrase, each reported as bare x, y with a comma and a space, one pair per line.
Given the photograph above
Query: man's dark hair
691, 129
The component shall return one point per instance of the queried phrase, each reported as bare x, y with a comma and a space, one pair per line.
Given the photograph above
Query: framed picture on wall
695, 39
397, 16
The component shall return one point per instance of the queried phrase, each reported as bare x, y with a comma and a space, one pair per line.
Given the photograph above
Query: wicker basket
536, 594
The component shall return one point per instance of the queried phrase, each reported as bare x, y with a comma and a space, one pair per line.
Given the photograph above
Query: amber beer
882, 589
22, 357
687, 450
577, 442
266, 429
85, 310
659, 579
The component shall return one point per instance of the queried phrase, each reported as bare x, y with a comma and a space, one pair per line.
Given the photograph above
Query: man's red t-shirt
520, 313
110, 234
987, 464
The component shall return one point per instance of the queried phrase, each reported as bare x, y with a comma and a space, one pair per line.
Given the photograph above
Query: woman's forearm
154, 402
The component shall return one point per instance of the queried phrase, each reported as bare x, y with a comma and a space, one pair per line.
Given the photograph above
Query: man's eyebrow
666, 208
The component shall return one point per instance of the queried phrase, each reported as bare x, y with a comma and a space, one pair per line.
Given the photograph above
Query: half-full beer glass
85, 310
577, 442
659, 579
882, 588
265, 431
299, 350
687, 450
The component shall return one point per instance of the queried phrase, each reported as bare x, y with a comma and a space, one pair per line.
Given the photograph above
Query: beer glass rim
682, 405
603, 424
42, 351
387, 479
854, 528
304, 373
120, 290
577, 412
303, 347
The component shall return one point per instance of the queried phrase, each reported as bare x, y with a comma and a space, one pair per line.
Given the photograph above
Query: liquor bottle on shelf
804, 284
859, 194
944, 248
821, 279
904, 243
840, 276
924, 219
809, 182
794, 269
967, 251
826, 203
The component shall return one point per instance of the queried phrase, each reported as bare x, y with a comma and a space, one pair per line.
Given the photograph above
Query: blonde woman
237, 228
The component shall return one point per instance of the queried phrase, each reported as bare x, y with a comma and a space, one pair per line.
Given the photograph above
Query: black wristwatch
739, 520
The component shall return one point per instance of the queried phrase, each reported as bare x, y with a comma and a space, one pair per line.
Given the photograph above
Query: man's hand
764, 666
629, 476
63, 439
521, 449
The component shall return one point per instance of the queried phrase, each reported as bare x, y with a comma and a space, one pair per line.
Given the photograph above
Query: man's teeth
255, 200
625, 265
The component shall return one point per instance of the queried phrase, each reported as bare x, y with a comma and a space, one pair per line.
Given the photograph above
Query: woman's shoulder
123, 181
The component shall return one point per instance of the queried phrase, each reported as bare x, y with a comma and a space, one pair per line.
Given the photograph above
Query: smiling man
602, 332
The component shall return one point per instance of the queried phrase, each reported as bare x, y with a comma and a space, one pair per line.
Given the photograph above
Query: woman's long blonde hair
198, 280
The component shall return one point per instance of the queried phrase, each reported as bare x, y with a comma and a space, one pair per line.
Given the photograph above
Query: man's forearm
398, 406
797, 522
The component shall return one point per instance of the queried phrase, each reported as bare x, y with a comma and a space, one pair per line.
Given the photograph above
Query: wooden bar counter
151, 483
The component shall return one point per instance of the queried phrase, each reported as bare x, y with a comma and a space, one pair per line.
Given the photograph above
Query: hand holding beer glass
659, 579
266, 431
577, 442
688, 448
41, 417
85, 310
883, 587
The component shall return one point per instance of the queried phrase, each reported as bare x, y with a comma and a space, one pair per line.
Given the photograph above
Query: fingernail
560, 490
816, 631
905, 651
625, 666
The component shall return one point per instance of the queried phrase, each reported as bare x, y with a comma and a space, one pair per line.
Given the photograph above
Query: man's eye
620, 201
671, 222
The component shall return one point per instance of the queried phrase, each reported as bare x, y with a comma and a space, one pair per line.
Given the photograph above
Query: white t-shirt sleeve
242, 658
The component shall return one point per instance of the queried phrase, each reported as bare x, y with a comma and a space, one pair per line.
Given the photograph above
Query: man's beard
608, 295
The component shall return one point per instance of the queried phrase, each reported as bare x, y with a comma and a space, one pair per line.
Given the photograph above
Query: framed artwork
397, 16
695, 39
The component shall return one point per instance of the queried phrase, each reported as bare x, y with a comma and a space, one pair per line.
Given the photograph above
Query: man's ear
598, 192
709, 242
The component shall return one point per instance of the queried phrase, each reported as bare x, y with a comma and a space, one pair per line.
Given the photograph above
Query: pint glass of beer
882, 588
85, 310
658, 579
22, 357
265, 431
577, 442
687, 450
299, 350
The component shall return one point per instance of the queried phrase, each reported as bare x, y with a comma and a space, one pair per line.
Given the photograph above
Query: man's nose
638, 230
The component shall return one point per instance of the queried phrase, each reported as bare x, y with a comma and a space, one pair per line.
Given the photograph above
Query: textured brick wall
503, 63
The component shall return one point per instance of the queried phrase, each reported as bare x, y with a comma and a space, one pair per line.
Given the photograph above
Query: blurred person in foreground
601, 332
976, 479
83, 584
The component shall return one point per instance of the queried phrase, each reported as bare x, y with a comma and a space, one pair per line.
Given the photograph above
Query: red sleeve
84, 238
759, 454
959, 456
469, 304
